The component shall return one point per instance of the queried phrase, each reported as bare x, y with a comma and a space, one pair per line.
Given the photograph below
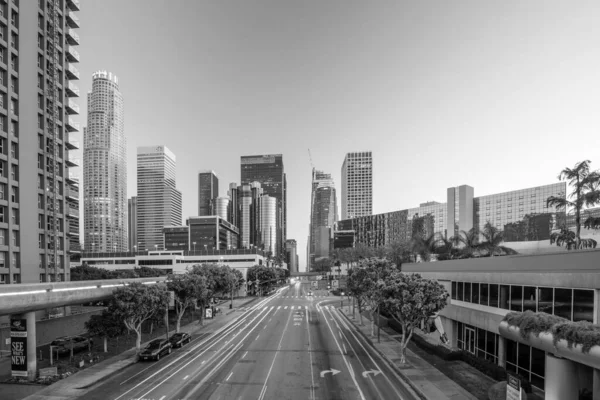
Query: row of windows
572, 304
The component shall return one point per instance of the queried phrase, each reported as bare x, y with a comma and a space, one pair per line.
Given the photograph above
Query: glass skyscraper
357, 185
208, 191
159, 201
105, 167
269, 172
323, 211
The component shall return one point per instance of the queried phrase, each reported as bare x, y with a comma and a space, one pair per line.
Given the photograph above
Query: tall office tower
221, 207
158, 200
40, 194
245, 202
357, 185
105, 167
132, 223
256, 237
208, 190
233, 205
268, 222
269, 172
460, 210
291, 256
323, 210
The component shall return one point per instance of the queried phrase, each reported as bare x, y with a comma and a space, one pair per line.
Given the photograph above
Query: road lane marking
264, 390
362, 396
257, 337
185, 377
229, 376
285, 308
292, 307
312, 374
162, 398
216, 338
265, 327
306, 307
278, 307
244, 354
345, 352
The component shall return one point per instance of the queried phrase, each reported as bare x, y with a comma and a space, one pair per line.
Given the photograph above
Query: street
288, 346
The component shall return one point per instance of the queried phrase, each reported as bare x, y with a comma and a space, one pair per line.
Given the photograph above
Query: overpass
22, 300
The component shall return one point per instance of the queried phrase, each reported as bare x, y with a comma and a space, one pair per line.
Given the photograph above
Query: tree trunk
105, 344
138, 339
404, 342
373, 323
360, 319
202, 312
151, 327
178, 326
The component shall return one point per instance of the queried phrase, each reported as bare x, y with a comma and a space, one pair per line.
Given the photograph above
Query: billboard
18, 347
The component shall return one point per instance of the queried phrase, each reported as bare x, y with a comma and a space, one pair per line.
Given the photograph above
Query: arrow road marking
373, 371
332, 371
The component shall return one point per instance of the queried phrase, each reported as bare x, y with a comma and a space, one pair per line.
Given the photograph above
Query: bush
443, 352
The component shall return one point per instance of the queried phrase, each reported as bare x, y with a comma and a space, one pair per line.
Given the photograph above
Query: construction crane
310, 158
53, 118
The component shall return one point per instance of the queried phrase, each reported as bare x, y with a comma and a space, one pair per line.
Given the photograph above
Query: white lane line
345, 352
336, 315
278, 307
292, 307
216, 338
265, 327
306, 307
162, 398
231, 373
312, 374
185, 377
285, 308
352, 375
264, 390
245, 354
257, 336
270, 319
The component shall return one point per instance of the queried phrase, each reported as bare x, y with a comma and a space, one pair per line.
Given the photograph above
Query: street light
155, 247
194, 243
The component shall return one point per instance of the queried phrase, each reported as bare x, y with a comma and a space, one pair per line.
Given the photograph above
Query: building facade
158, 200
268, 170
211, 233
221, 207
208, 190
177, 237
323, 210
268, 223
39, 192
132, 223
460, 213
105, 167
291, 256
357, 185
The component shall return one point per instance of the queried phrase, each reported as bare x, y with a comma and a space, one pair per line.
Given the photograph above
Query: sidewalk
432, 383
72, 387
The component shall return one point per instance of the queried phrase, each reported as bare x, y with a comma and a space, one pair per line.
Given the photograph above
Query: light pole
135, 248
139, 247
155, 247
194, 243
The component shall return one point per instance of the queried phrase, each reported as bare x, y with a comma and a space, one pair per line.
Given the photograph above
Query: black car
155, 349
62, 345
179, 339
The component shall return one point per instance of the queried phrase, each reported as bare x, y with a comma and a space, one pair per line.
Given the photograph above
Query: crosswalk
303, 297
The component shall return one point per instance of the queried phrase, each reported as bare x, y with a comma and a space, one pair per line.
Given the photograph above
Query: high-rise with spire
323, 214
105, 167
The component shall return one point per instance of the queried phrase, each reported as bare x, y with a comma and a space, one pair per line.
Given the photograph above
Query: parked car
63, 344
155, 349
179, 339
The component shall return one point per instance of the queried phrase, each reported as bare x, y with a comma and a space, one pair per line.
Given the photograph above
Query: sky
499, 95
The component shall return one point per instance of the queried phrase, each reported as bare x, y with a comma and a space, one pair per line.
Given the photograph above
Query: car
179, 339
62, 345
155, 349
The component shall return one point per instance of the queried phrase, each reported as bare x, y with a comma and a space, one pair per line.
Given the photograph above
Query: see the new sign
18, 347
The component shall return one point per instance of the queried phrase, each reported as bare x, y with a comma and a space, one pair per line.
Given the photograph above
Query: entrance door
470, 340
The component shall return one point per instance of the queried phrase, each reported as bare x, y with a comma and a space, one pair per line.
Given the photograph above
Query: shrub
581, 333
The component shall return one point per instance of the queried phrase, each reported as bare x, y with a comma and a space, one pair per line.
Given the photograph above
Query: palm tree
493, 237
585, 192
424, 246
470, 239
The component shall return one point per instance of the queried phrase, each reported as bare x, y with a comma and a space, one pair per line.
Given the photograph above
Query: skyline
409, 82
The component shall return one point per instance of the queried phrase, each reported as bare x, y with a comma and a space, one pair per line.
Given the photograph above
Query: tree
410, 299
323, 265
372, 274
265, 276
136, 303
217, 283
424, 246
493, 237
356, 289
398, 252
86, 272
470, 240
106, 325
585, 192
187, 289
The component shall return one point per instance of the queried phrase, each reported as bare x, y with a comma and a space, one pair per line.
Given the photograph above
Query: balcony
72, 231
72, 194
71, 143
72, 212
72, 162
72, 37
73, 5
72, 178
72, 90
72, 72
71, 125
72, 107
72, 54
72, 20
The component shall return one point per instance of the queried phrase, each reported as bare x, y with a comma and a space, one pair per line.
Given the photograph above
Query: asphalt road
288, 346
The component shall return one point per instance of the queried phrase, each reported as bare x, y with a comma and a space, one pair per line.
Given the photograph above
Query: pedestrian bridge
23, 298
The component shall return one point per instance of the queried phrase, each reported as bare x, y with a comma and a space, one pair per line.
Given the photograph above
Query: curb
131, 360
389, 362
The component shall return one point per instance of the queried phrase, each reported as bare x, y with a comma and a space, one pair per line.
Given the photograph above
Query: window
16, 277
14, 84
516, 298
583, 305
3, 236
459, 293
14, 172
467, 292
40, 241
475, 293
14, 128
14, 216
504, 297
14, 108
545, 300
40, 221
563, 301
453, 290
40, 201
40, 62
484, 294
529, 298
14, 152
15, 238
14, 195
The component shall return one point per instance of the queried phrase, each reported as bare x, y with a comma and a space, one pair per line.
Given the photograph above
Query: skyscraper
291, 256
208, 191
269, 172
39, 190
323, 211
105, 167
158, 200
357, 185
132, 223
221, 207
268, 222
